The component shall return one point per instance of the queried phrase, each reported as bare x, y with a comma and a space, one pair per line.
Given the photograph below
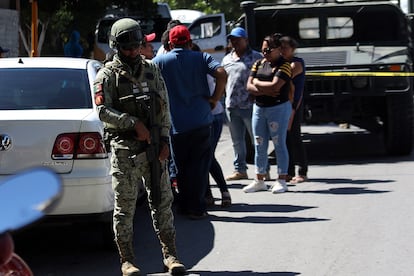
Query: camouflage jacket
116, 87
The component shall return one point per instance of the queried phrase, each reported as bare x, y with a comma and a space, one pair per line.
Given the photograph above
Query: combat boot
126, 252
169, 252
129, 269
174, 267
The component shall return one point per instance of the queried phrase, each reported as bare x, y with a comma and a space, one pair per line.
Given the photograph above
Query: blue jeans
239, 121
271, 122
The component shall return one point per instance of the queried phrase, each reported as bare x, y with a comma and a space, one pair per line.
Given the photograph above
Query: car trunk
28, 137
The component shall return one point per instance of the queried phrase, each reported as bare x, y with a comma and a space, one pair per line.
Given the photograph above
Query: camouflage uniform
129, 162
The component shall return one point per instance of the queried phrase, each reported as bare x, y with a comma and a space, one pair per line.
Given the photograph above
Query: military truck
358, 57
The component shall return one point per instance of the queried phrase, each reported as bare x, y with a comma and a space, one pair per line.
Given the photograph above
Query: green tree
230, 8
57, 19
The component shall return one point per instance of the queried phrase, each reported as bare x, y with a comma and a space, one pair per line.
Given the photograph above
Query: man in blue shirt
184, 72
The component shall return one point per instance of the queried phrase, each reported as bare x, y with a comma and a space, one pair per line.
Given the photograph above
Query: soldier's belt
124, 135
360, 74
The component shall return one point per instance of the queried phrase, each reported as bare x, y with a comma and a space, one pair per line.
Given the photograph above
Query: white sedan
48, 118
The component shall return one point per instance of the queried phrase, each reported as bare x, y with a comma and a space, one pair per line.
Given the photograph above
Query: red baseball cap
150, 37
180, 35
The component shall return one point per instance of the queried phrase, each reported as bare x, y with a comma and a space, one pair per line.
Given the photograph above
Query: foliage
63, 16
230, 8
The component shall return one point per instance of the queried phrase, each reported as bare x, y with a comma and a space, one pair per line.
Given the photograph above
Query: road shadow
351, 181
244, 273
61, 250
348, 147
344, 191
337, 146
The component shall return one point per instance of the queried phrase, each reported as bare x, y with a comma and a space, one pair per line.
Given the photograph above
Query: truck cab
358, 57
210, 34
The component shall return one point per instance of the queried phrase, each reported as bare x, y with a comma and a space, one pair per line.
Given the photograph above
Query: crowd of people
184, 88
263, 98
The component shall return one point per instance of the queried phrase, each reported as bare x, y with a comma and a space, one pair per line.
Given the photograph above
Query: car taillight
86, 145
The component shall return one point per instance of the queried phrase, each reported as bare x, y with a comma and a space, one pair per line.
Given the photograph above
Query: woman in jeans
270, 82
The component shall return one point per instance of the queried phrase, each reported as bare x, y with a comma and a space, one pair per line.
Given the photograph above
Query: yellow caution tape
361, 74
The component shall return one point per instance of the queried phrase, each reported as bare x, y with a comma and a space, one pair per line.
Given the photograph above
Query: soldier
118, 85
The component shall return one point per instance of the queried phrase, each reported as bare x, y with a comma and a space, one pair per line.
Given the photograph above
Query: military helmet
125, 32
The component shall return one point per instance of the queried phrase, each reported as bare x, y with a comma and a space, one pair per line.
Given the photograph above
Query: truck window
207, 29
309, 28
339, 27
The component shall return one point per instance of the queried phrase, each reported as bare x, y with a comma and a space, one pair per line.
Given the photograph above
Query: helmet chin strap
129, 60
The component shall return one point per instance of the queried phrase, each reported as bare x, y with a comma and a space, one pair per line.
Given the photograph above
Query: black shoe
209, 199
197, 216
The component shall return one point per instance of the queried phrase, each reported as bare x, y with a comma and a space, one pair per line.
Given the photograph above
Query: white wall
9, 36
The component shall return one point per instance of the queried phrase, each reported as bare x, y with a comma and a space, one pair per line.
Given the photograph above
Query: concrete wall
9, 31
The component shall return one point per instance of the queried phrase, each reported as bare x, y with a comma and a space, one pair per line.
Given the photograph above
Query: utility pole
34, 52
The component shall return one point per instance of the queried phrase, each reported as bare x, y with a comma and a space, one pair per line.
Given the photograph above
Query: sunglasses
267, 51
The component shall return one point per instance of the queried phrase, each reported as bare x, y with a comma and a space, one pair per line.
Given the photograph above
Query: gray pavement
353, 217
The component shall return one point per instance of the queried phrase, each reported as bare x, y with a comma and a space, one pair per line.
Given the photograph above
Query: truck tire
398, 124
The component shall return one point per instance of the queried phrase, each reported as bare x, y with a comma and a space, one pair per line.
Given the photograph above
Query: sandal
299, 179
225, 200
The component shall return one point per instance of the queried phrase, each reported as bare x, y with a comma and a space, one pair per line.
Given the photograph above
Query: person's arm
272, 88
297, 68
250, 87
221, 79
269, 88
104, 88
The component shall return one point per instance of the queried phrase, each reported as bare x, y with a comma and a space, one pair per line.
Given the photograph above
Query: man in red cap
147, 49
184, 72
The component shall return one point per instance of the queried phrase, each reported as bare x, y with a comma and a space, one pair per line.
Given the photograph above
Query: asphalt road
353, 217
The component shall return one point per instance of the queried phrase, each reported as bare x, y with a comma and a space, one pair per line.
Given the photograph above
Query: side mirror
24, 198
27, 196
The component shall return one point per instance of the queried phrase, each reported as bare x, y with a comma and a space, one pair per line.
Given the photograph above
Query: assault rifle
148, 101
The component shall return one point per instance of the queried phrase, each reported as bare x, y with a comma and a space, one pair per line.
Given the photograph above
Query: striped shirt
266, 71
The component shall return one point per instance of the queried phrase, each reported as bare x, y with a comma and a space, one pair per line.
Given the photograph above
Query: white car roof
44, 62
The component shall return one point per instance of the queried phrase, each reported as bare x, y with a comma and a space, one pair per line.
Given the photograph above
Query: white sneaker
279, 186
255, 186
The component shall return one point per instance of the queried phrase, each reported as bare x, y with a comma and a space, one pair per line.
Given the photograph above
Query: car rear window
44, 88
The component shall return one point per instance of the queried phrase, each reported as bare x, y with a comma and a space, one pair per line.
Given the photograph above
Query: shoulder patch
97, 88
99, 95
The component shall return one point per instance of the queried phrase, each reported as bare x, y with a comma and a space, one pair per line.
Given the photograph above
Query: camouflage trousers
127, 171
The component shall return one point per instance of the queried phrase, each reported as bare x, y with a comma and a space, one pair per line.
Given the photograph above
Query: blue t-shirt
184, 72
